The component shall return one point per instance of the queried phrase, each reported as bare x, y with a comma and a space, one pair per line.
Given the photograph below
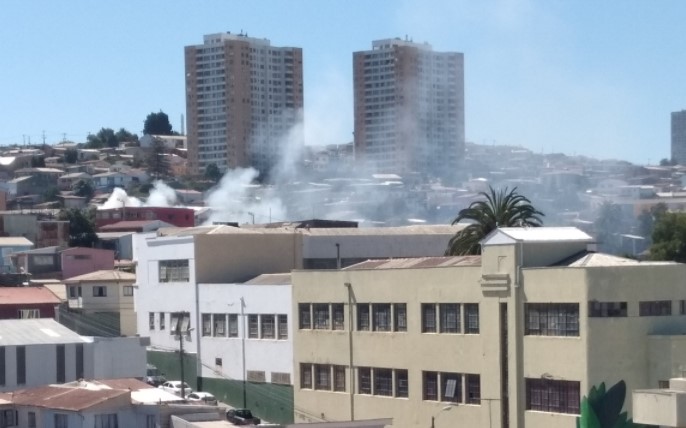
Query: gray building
679, 137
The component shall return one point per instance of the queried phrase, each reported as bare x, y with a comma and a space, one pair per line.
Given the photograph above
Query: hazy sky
579, 77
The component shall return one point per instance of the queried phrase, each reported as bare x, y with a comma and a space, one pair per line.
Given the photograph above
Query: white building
41, 351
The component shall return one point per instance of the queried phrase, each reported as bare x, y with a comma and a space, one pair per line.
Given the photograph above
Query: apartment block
679, 137
409, 108
512, 338
243, 97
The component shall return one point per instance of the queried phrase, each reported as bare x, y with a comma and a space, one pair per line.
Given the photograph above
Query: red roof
64, 398
27, 295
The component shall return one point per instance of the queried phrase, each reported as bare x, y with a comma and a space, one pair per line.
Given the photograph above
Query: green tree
51, 194
603, 409
71, 156
37, 162
124, 136
669, 238
81, 227
158, 164
647, 219
104, 138
212, 173
84, 189
157, 124
497, 209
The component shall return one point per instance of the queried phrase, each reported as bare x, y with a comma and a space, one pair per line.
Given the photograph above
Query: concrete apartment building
679, 137
409, 108
213, 278
512, 338
243, 96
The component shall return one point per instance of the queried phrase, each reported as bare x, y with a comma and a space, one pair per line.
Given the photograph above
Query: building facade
243, 97
409, 108
512, 338
679, 137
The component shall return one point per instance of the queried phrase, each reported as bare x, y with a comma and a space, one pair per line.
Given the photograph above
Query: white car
174, 386
202, 398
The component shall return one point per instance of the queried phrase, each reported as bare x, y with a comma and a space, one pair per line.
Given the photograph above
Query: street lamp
437, 414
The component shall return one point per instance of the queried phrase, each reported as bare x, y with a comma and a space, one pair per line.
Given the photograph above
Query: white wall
116, 357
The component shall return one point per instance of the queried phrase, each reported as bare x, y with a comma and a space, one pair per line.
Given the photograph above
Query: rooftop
418, 263
271, 279
503, 235
64, 397
36, 331
103, 275
27, 295
591, 259
15, 241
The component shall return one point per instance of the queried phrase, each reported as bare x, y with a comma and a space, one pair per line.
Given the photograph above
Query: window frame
428, 313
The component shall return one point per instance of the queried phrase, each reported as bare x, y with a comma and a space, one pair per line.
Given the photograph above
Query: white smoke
161, 195
237, 199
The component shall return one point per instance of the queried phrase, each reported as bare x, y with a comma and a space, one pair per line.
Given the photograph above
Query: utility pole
180, 333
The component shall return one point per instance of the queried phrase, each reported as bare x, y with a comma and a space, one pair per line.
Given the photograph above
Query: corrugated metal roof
103, 275
15, 241
545, 234
27, 295
418, 263
65, 398
271, 279
36, 332
589, 259
440, 229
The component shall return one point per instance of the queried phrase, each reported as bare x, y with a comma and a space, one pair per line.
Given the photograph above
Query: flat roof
539, 234
15, 241
417, 263
440, 229
271, 279
36, 331
65, 398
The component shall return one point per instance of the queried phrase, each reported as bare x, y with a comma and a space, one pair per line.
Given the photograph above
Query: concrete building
679, 137
41, 351
82, 260
665, 406
243, 97
10, 245
27, 302
512, 338
409, 108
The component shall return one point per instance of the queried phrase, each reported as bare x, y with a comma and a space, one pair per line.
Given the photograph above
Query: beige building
243, 97
512, 338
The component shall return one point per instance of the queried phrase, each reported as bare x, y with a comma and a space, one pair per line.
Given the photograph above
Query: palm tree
499, 209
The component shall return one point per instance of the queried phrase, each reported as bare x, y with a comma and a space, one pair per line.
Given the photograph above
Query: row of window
650, 308
387, 382
386, 317
260, 326
75, 291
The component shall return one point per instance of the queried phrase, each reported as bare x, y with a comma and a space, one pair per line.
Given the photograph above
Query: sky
578, 77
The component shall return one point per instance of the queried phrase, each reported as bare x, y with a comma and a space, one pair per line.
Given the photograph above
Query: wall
118, 357
98, 260
47, 310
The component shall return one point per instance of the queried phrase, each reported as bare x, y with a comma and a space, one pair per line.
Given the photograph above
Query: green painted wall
268, 401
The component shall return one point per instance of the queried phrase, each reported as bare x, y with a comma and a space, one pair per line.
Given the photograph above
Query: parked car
153, 376
202, 398
174, 386
241, 417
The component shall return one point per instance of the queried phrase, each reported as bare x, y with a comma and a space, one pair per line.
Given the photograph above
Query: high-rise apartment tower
679, 137
409, 108
243, 97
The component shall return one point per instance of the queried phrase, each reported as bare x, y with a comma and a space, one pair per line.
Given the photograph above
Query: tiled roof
418, 263
27, 295
103, 275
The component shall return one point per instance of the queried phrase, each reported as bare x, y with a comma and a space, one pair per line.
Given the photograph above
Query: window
381, 316
400, 317
206, 324
267, 326
471, 318
74, 291
29, 313
106, 421
79, 360
281, 378
320, 313
557, 396
428, 318
150, 421
233, 325
363, 317
253, 327
282, 327
337, 310
61, 421
256, 376
552, 319
99, 291
306, 376
450, 317
364, 375
430, 387
401, 384
451, 387
151, 320
383, 382
473, 389
21, 364
173, 271
162, 320
128, 290
682, 307
3, 380
218, 362
305, 316
180, 322
655, 308
60, 363
322, 376
32, 419
219, 325
606, 309
339, 378
9, 418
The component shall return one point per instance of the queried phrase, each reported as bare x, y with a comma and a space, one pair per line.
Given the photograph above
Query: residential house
189, 197
135, 226
39, 226
9, 164
42, 351
119, 242
73, 202
67, 181
110, 180
177, 216
39, 263
82, 260
27, 302
10, 245
105, 293
513, 337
